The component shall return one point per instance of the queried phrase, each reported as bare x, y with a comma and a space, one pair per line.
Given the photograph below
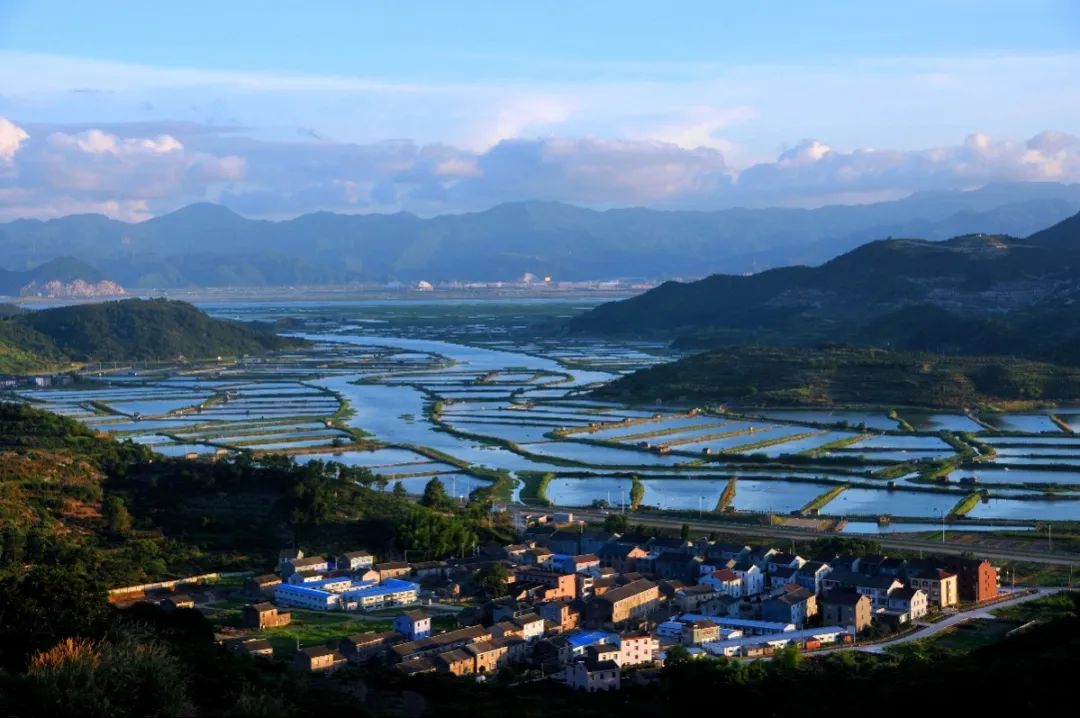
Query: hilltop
60, 277
824, 376
210, 245
128, 330
967, 295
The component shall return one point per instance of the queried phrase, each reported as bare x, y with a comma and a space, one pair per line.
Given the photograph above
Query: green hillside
128, 330
764, 376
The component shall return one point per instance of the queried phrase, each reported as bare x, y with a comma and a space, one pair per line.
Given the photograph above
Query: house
439, 642
677, 565
751, 577
692, 598
633, 601
846, 608
912, 601
796, 606
362, 647
564, 614
455, 661
178, 600
517, 648
355, 561
580, 563
621, 557
593, 676
416, 667
319, 659
429, 569
369, 575
561, 585
724, 581
564, 542
487, 655
392, 569
251, 647
783, 560
287, 556
301, 578
727, 551
811, 575
876, 587
515, 552
536, 556
720, 605
781, 576
892, 567
413, 624
264, 615
977, 580
304, 564
940, 585
261, 586
694, 633
531, 626
665, 544
637, 649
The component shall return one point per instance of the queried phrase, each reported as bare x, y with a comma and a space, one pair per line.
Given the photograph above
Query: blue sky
279, 108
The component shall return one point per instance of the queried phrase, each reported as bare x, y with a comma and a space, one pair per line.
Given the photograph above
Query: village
594, 608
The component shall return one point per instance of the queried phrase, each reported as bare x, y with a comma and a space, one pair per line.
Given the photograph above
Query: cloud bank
135, 170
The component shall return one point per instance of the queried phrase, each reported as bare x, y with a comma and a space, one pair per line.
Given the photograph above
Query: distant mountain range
209, 245
974, 294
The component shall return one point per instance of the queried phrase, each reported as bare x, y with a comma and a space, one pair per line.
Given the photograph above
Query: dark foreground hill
129, 330
771, 376
976, 294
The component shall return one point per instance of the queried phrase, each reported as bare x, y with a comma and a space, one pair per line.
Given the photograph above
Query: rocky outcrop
76, 289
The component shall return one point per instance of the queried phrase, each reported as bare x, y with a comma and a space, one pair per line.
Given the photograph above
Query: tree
493, 580
637, 493
684, 532
399, 490
435, 496
616, 523
676, 655
116, 516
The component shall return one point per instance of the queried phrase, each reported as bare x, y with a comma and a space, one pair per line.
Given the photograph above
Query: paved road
945, 624
775, 533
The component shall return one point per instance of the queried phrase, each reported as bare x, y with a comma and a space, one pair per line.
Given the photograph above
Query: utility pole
1050, 536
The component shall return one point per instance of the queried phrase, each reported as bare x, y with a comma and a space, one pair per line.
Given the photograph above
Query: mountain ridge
1000, 295
210, 245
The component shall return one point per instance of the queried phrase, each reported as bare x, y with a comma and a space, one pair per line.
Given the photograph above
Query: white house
593, 676
725, 581
355, 561
913, 601
637, 649
752, 578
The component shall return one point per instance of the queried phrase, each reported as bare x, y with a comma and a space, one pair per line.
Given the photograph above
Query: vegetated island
840, 375
127, 330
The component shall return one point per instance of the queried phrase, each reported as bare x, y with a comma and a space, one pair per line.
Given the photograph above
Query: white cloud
11, 138
148, 168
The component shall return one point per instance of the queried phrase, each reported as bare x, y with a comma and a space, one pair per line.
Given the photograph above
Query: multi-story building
846, 608
593, 676
633, 601
939, 584
977, 580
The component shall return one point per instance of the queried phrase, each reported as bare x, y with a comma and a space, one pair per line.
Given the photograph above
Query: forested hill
764, 376
128, 330
996, 294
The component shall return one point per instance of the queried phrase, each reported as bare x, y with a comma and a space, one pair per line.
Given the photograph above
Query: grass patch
317, 629
1047, 608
